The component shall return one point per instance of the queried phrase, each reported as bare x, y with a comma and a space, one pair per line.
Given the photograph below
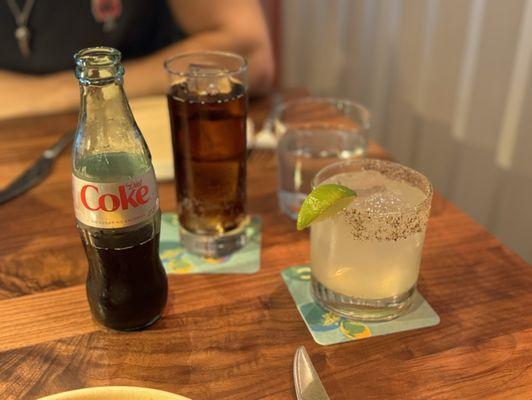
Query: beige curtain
449, 83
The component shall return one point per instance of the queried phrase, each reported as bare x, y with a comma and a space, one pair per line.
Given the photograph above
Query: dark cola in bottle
115, 199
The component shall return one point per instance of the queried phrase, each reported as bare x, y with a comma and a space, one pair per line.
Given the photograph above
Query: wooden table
233, 337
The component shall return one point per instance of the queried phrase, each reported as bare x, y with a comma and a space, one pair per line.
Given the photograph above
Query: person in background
38, 39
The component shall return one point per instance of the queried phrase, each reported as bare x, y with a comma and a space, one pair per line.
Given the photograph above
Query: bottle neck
106, 128
104, 104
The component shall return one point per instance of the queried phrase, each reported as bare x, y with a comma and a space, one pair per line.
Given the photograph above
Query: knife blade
36, 172
307, 382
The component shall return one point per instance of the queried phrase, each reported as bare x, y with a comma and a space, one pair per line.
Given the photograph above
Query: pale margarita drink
365, 256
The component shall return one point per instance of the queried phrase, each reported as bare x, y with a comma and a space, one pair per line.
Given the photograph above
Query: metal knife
37, 172
307, 382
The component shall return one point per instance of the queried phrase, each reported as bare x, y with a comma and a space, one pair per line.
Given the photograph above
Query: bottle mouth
98, 65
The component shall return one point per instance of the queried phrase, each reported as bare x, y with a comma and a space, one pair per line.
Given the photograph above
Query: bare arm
230, 25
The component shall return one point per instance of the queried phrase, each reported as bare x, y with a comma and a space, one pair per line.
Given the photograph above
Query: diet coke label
115, 205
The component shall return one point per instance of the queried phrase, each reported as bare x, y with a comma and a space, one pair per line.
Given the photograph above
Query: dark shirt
61, 28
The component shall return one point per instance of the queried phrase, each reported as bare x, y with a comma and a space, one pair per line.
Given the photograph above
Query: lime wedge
319, 201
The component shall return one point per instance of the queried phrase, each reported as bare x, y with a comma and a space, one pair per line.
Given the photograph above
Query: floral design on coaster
329, 328
177, 260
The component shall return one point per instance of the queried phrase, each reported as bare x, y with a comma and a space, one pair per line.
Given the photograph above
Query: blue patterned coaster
328, 328
177, 261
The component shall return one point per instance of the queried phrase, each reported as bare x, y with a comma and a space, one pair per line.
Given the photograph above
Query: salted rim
428, 189
242, 61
